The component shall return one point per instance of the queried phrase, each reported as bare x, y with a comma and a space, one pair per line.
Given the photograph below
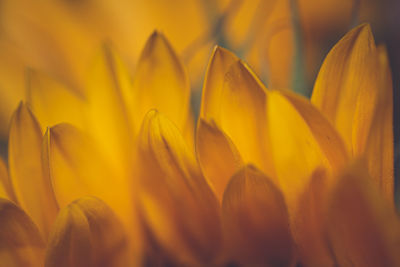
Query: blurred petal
379, 151
363, 229
308, 225
33, 190
20, 241
217, 155
346, 87
256, 221
219, 64
178, 204
161, 82
6, 188
53, 102
108, 117
87, 233
77, 168
297, 128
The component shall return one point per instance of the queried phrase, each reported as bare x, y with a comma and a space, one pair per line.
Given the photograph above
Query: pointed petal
34, 192
219, 64
87, 233
315, 143
108, 117
242, 115
177, 203
6, 188
218, 156
312, 247
52, 102
161, 82
379, 151
256, 221
346, 87
21, 243
363, 229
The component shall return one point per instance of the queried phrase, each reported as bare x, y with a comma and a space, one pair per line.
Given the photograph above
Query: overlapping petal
21, 243
256, 221
362, 228
177, 203
87, 233
33, 189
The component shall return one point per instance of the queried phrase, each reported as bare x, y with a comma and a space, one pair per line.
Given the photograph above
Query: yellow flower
272, 179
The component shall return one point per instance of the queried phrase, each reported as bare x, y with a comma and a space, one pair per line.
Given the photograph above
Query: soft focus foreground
105, 170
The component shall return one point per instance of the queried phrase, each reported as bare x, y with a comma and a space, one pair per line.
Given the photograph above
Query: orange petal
346, 87
52, 102
218, 156
21, 243
297, 128
177, 203
379, 151
307, 228
363, 229
161, 82
6, 188
33, 190
256, 221
108, 117
87, 233
219, 64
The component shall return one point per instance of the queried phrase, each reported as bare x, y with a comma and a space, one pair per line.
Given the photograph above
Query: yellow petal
33, 190
161, 82
313, 250
87, 233
108, 117
219, 64
6, 188
297, 128
239, 110
218, 156
77, 168
363, 229
20, 241
346, 87
379, 151
256, 221
52, 102
177, 203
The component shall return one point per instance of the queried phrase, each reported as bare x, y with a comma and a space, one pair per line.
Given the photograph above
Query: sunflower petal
308, 229
87, 233
217, 155
6, 188
77, 168
177, 203
52, 102
346, 87
363, 230
256, 221
161, 82
33, 190
21, 243
219, 64
108, 117
380, 145
315, 143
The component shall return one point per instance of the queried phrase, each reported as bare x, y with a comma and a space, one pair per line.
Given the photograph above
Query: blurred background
284, 41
